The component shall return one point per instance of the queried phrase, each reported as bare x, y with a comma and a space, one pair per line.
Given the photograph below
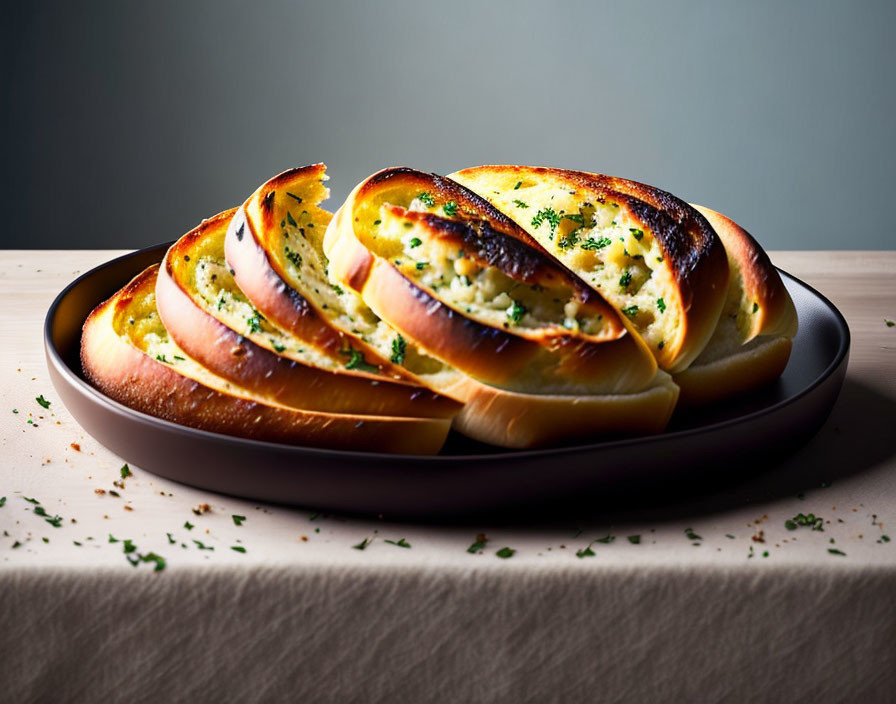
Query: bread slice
299, 299
651, 255
751, 344
464, 282
210, 318
127, 354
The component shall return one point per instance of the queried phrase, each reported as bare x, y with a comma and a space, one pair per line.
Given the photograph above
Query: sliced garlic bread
211, 319
752, 340
652, 256
127, 354
464, 283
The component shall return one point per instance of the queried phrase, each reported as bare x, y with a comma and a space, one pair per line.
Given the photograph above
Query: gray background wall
125, 123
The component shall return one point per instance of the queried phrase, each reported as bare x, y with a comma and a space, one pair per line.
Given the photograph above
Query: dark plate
467, 477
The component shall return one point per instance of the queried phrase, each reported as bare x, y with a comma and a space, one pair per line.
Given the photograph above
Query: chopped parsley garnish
15, 410
884, 539
595, 244
661, 305
188, 525
42, 401
689, 532
162, 358
157, 559
625, 279
835, 551
126, 472
889, 323
294, 257
290, 219
2, 501
238, 520
606, 540
634, 539
362, 545
422, 265
171, 540
278, 347
520, 204
585, 552
807, 521
515, 312
399, 348
202, 546
401, 542
238, 548
415, 242
517, 186
450, 208
548, 215
637, 233
478, 544
630, 312
426, 199
356, 361
578, 218
254, 323
505, 552
755, 306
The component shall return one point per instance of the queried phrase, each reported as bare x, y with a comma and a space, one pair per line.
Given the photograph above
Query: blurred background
125, 123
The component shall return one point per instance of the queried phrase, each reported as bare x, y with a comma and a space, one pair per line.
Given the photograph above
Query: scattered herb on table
171, 540
42, 401
585, 552
188, 525
691, 535
238, 548
401, 542
15, 410
31, 501
889, 323
2, 501
126, 472
238, 520
478, 544
634, 539
203, 546
808, 521
505, 552
606, 540
728, 535
363, 544
835, 551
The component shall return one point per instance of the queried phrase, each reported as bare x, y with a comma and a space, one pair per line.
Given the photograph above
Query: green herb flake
415, 242
290, 219
278, 347
114, 493
362, 545
691, 535
755, 306
835, 551
884, 539
126, 472
548, 215
889, 323
450, 208
660, 305
630, 311
2, 501
46, 540
422, 265
578, 218
238, 520
517, 186
42, 401
238, 548
505, 553
294, 257
637, 233
426, 199
625, 279
356, 361
337, 289
399, 349
520, 204
16, 544
171, 540
15, 410
75, 542
188, 525
515, 312
157, 559
254, 323
805, 520
202, 546
596, 244
401, 542
729, 536
606, 540
585, 552
634, 539
478, 544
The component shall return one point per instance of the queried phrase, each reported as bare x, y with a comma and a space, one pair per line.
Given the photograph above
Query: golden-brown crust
288, 381
752, 269
699, 263
127, 375
249, 247
496, 356
750, 368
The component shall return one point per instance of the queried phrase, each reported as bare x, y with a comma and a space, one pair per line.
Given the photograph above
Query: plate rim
55, 358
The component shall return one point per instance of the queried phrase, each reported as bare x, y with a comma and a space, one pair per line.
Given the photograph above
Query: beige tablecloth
709, 598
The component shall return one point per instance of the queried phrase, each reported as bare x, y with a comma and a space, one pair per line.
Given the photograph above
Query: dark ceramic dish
466, 477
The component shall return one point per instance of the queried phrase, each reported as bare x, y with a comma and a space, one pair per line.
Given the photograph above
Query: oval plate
467, 477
